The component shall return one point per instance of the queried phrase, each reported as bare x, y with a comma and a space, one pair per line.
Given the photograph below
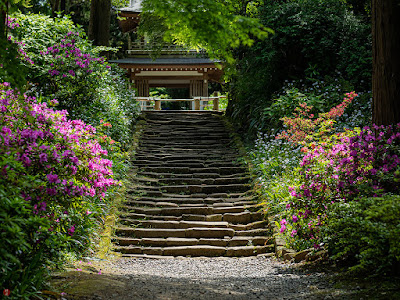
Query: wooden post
216, 104
196, 104
157, 105
215, 101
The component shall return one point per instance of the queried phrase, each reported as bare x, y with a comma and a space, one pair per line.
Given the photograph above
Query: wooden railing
152, 103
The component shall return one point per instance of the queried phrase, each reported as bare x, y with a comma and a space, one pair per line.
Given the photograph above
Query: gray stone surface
219, 278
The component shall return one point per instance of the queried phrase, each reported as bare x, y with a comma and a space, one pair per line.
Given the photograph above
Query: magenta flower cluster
68, 58
362, 163
71, 168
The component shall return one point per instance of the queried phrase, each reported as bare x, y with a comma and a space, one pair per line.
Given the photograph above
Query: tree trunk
3, 18
99, 24
386, 61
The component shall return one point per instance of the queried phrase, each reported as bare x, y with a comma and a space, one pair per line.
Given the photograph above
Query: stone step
187, 170
186, 203
192, 181
134, 193
177, 138
202, 210
190, 189
186, 151
173, 224
197, 157
190, 164
181, 135
192, 175
171, 241
192, 232
254, 232
197, 250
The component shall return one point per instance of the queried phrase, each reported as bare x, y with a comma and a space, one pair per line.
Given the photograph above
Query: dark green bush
22, 256
313, 39
366, 234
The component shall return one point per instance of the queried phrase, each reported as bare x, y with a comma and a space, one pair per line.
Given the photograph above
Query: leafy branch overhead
216, 26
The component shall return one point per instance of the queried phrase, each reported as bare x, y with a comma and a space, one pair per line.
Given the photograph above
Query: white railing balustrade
197, 103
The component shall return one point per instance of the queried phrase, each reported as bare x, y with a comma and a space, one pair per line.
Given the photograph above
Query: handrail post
157, 104
196, 104
216, 104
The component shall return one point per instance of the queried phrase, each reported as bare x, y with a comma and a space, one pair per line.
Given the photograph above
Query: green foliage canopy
214, 25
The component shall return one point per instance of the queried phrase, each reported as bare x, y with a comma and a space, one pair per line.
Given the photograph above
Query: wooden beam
169, 85
166, 66
166, 77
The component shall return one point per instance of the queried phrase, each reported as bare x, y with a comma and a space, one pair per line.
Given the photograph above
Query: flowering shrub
337, 167
321, 95
66, 66
59, 169
332, 187
304, 129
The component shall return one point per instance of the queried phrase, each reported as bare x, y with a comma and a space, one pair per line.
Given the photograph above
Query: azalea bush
321, 95
56, 180
341, 172
362, 163
64, 65
317, 173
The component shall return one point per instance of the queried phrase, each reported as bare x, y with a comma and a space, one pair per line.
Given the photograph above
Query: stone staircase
190, 196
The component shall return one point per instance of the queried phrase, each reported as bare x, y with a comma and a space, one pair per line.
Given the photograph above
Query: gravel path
201, 278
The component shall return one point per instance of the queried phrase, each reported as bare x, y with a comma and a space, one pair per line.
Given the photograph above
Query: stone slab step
190, 189
172, 241
191, 175
164, 224
188, 199
197, 250
187, 202
187, 170
189, 164
178, 211
253, 232
243, 217
180, 233
192, 181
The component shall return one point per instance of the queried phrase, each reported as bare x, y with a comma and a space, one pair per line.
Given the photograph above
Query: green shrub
366, 234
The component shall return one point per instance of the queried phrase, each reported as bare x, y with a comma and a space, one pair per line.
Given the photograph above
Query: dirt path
197, 278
